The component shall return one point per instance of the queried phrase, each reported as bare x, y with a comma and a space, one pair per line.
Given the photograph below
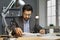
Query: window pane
53, 2
48, 21
53, 10
48, 3
54, 20
51, 20
49, 13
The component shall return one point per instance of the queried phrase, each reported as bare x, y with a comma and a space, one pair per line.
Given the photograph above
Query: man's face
26, 14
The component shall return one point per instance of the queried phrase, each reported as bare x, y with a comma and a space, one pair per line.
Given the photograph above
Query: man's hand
18, 32
42, 31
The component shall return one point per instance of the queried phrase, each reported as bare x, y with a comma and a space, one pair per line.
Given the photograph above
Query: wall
42, 13
2, 3
6, 2
58, 12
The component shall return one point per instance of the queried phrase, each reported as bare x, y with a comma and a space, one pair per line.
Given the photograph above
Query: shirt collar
25, 21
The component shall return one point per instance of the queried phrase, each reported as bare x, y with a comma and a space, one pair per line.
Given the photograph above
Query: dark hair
27, 7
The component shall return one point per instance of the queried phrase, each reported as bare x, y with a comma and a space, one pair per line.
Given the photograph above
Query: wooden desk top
1, 38
38, 38
34, 38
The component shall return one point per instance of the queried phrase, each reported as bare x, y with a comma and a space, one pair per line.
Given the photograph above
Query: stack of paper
31, 34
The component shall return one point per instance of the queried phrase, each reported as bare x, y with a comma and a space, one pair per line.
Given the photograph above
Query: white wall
58, 6
58, 11
42, 13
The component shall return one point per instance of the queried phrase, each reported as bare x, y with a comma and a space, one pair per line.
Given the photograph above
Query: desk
1, 38
32, 38
37, 38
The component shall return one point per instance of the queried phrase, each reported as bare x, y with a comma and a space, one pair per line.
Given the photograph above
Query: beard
26, 19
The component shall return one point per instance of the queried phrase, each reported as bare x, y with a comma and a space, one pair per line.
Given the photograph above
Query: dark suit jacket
34, 28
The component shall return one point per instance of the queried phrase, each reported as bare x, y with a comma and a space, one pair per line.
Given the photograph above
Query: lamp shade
21, 2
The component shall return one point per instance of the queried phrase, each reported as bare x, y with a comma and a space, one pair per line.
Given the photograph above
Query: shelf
15, 9
12, 17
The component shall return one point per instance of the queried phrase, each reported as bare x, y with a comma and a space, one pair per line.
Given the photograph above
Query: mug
51, 30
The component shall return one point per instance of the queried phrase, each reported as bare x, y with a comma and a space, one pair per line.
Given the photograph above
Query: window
51, 12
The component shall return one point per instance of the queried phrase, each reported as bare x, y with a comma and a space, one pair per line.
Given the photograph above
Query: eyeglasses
27, 14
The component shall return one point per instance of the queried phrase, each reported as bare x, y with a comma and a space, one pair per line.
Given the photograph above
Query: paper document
31, 34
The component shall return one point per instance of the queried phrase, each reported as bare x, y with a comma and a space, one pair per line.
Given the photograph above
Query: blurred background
48, 12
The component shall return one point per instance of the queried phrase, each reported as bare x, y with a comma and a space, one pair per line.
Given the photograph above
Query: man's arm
17, 32
39, 29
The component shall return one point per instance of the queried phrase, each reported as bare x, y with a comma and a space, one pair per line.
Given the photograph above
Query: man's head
27, 11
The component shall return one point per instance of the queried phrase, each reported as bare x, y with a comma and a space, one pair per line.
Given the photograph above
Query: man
26, 23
